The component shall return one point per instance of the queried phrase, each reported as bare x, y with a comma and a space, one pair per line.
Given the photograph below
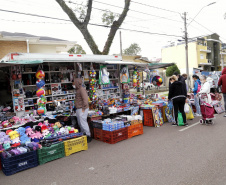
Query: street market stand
113, 115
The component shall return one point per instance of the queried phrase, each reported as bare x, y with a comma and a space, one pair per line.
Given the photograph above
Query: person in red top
222, 82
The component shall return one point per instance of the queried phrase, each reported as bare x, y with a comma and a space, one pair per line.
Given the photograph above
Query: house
26, 43
203, 52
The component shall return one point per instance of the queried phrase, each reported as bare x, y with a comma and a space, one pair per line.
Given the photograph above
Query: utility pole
120, 37
186, 48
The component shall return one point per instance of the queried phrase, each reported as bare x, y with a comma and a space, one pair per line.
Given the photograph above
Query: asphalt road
166, 155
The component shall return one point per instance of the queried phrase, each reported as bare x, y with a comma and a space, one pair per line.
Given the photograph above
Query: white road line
189, 126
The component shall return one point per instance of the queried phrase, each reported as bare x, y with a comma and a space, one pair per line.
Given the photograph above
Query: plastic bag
180, 119
186, 108
190, 114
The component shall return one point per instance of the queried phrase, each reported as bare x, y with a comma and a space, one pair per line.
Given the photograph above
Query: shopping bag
190, 114
180, 120
186, 108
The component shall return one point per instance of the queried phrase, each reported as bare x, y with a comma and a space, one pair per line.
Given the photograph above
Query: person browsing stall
222, 83
82, 107
176, 94
205, 89
197, 87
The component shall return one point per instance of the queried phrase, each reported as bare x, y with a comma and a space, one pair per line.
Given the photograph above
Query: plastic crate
0, 164
19, 163
98, 135
135, 130
148, 118
97, 125
51, 153
114, 136
75, 145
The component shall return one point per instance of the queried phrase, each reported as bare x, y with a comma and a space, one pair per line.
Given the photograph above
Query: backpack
199, 87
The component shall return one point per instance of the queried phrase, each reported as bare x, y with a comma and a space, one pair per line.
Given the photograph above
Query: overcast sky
210, 19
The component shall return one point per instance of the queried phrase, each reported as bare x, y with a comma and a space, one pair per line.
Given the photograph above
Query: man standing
222, 82
82, 108
185, 76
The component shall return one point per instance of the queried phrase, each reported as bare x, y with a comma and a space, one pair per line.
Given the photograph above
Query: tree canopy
77, 49
82, 21
133, 49
172, 69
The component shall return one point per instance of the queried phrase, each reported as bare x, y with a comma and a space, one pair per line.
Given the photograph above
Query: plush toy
15, 138
64, 131
56, 129
35, 136
6, 146
45, 131
23, 137
58, 124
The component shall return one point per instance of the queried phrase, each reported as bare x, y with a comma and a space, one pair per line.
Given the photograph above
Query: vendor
82, 108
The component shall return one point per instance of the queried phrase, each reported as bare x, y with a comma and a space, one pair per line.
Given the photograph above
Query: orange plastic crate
135, 130
115, 136
98, 135
148, 118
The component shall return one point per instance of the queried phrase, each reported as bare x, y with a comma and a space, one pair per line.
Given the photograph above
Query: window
201, 56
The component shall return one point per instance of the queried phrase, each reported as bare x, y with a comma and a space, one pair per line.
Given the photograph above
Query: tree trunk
82, 26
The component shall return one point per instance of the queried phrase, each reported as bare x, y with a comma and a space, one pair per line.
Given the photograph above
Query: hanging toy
124, 75
40, 83
40, 74
157, 80
92, 84
135, 77
138, 81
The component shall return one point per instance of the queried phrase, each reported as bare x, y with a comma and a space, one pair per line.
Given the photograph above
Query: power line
138, 31
136, 11
13, 20
156, 7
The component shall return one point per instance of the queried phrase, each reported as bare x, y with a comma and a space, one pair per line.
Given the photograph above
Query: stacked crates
19, 163
75, 145
51, 153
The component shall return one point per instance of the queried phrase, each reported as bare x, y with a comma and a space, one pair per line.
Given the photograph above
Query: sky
140, 17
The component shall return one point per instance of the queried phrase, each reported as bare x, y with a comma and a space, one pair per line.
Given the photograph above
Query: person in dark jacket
222, 82
181, 79
82, 107
176, 94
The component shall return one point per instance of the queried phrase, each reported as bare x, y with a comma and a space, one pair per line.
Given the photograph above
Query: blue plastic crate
19, 163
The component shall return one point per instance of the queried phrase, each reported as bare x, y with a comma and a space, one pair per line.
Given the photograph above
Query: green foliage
172, 69
77, 49
109, 17
133, 49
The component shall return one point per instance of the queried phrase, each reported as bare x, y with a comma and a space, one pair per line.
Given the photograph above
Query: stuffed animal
45, 131
23, 137
15, 138
35, 136
58, 124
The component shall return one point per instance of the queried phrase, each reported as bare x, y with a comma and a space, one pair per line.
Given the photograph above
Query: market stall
36, 127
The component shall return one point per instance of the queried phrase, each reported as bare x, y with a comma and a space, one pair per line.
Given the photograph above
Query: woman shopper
205, 88
176, 94
197, 87
222, 83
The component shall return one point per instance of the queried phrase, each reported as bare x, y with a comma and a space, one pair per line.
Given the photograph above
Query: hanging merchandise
157, 80
92, 84
104, 75
135, 77
40, 83
79, 70
124, 74
138, 81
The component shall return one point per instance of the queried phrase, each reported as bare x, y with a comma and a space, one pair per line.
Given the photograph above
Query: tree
133, 49
172, 69
77, 49
82, 25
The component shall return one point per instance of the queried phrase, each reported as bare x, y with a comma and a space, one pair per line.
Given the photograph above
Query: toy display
92, 85
135, 73
40, 75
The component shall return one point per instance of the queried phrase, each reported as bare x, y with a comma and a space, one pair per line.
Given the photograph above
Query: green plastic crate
51, 153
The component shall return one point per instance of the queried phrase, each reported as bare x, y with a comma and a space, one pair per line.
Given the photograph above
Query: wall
12, 46
176, 54
199, 53
38, 48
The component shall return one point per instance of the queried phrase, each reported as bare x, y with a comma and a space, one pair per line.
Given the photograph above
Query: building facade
26, 43
204, 53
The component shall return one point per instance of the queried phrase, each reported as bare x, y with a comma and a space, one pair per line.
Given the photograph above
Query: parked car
147, 86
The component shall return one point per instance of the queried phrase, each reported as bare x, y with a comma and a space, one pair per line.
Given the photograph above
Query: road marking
189, 126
